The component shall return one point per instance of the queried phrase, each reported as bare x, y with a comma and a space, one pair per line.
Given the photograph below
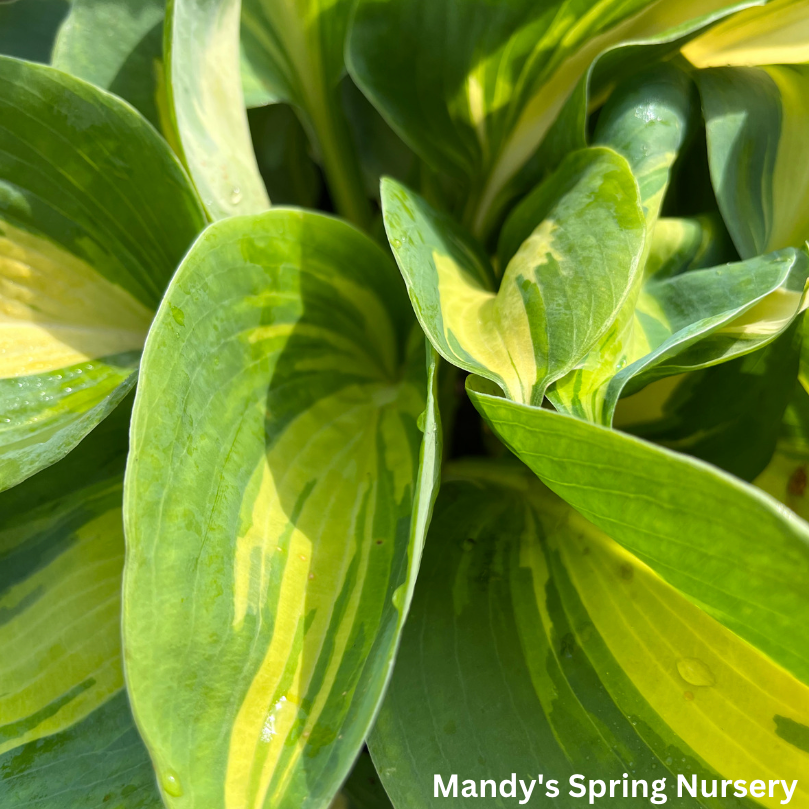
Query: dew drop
695, 672
688, 695
399, 595
420, 420
396, 243
669, 761
171, 784
236, 196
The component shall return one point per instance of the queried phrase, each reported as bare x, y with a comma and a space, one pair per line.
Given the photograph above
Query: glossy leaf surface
536, 644
297, 52
277, 495
206, 106
118, 45
474, 87
66, 733
559, 292
95, 214
756, 119
700, 529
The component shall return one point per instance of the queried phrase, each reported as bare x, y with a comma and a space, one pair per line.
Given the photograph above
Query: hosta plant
273, 273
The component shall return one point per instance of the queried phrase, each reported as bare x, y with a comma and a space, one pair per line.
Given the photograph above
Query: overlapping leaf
560, 291
727, 547
536, 644
474, 87
28, 30
637, 306
297, 51
277, 495
206, 106
756, 119
95, 214
66, 733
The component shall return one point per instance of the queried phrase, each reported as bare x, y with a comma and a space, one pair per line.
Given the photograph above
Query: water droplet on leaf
695, 672
171, 784
236, 196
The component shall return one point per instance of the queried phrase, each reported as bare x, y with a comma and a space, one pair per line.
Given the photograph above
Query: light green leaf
95, 214
693, 320
117, 45
67, 737
206, 106
277, 496
581, 244
729, 415
537, 645
28, 29
773, 34
296, 50
757, 118
729, 548
473, 86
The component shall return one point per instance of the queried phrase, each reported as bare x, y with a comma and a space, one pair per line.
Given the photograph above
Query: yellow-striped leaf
95, 214
474, 87
538, 645
756, 119
561, 289
277, 494
727, 547
297, 51
67, 738
206, 105
776, 33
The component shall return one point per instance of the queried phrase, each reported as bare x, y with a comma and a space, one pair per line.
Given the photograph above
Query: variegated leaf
538, 645
206, 105
757, 118
67, 738
277, 495
730, 549
474, 87
95, 214
581, 245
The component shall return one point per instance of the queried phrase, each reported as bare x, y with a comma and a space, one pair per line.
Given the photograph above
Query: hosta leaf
583, 246
117, 45
297, 52
695, 320
66, 734
363, 789
536, 644
276, 501
475, 86
729, 415
28, 29
726, 546
773, 34
756, 118
207, 108
95, 214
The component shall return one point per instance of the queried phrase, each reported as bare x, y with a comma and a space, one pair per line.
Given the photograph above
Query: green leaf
756, 118
66, 733
729, 415
206, 106
726, 546
277, 496
95, 214
537, 645
28, 29
693, 320
474, 87
117, 45
582, 237
296, 50
363, 789
776, 33
98, 762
